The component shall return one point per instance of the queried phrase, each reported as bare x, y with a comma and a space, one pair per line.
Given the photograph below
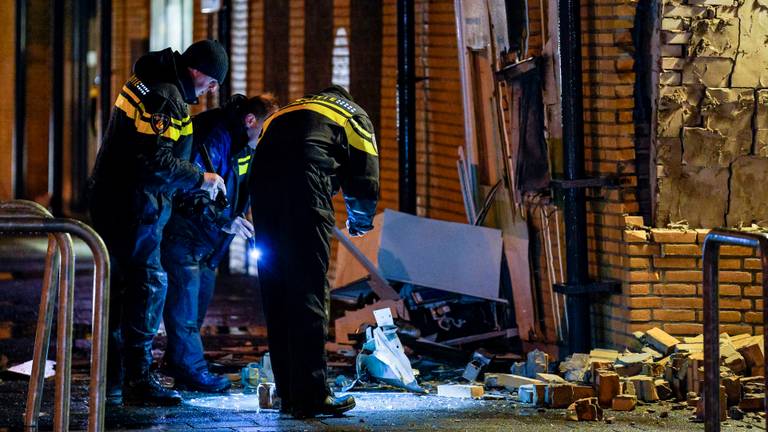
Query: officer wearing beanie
143, 161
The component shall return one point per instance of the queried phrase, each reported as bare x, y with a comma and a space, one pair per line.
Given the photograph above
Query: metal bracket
589, 288
608, 181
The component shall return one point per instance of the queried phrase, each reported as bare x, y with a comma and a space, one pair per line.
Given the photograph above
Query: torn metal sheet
383, 358
748, 187
681, 197
751, 69
678, 107
448, 256
715, 37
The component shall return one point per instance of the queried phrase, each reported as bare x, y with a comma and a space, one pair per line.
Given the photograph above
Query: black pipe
406, 103
579, 330
105, 69
225, 26
20, 102
81, 105
56, 148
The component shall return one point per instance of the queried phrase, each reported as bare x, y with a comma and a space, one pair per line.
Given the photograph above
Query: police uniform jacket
144, 156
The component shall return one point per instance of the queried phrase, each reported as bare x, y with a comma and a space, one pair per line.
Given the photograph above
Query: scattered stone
607, 387
752, 402
661, 340
508, 381
585, 409
559, 395
460, 391
624, 402
664, 414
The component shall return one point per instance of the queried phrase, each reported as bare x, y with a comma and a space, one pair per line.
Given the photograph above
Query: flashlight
253, 252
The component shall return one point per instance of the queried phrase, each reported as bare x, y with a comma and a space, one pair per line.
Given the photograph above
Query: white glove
213, 183
239, 227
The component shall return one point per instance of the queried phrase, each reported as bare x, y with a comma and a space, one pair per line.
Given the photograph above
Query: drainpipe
579, 331
225, 26
406, 105
20, 102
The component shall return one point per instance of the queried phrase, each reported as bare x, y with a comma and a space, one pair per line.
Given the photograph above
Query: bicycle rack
23, 217
711, 258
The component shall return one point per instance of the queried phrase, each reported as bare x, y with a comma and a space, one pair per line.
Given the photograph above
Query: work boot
147, 391
331, 405
202, 381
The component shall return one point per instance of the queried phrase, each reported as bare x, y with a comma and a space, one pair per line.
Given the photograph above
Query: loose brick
684, 263
634, 221
683, 276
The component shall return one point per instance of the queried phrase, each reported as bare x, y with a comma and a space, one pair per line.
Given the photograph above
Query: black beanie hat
209, 57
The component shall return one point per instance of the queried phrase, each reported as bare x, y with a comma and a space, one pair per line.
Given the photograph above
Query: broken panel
716, 37
678, 107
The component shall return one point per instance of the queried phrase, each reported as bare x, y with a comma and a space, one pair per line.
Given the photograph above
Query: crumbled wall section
664, 286
712, 124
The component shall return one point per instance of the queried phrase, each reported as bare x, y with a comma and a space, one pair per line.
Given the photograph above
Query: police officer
200, 229
308, 150
143, 161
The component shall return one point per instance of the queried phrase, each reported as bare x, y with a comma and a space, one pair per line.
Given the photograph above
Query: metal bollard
101, 304
711, 258
55, 260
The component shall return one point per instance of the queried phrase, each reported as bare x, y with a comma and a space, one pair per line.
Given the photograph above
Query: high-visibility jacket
144, 155
333, 135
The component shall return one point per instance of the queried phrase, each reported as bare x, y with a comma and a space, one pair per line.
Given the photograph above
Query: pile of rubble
666, 369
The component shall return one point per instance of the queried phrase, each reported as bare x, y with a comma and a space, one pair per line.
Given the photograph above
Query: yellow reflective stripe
127, 90
359, 129
359, 142
244, 159
132, 95
333, 115
142, 120
242, 169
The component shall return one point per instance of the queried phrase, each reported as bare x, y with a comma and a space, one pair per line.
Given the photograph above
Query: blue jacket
197, 220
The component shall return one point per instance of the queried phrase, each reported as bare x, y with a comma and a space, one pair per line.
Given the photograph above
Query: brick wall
664, 284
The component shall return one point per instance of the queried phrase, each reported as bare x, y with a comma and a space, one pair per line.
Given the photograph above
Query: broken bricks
585, 409
624, 402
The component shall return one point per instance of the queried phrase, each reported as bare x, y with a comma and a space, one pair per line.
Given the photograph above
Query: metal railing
25, 217
711, 259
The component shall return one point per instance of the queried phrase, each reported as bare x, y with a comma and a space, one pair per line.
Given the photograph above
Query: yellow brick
727, 316
683, 302
752, 263
684, 263
735, 328
639, 289
728, 250
639, 263
753, 291
643, 276
636, 315
674, 289
663, 235
681, 249
645, 302
683, 276
643, 250
678, 315
682, 329
735, 276
737, 304
753, 317
635, 236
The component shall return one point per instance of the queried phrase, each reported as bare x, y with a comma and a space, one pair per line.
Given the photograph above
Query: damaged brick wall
712, 124
665, 283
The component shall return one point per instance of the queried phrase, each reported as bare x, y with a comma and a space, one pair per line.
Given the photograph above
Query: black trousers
138, 283
293, 221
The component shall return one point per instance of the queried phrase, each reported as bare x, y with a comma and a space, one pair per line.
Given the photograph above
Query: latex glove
239, 227
213, 183
355, 231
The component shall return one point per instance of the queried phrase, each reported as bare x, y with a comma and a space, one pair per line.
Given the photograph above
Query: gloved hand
355, 230
239, 227
213, 183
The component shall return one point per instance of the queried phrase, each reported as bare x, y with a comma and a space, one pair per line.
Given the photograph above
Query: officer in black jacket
143, 161
308, 150
200, 229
